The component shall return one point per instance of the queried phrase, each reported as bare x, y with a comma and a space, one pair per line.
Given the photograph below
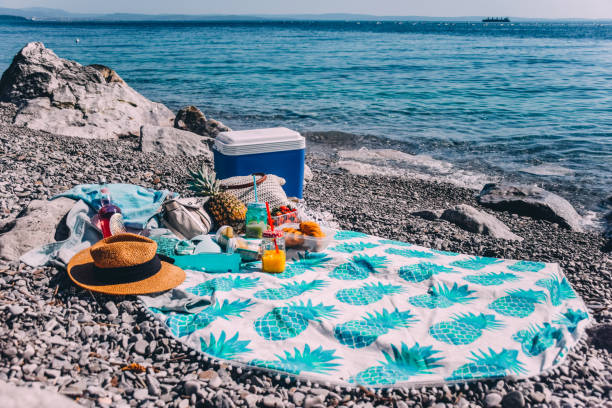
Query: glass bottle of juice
256, 220
273, 251
111, 220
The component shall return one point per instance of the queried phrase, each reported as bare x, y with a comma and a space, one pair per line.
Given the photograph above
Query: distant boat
496, 20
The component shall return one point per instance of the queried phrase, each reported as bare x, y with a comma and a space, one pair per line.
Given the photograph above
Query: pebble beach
108, 352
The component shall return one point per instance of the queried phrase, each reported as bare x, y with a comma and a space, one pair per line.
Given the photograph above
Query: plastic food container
306, 242
292, 217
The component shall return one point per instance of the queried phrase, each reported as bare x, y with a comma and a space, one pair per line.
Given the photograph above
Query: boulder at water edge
193, 120
473, 220
66, 98
530, 201
172, 142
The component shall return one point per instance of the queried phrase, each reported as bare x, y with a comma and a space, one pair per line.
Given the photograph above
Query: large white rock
473, 220
64, 97
171, 141
12, 396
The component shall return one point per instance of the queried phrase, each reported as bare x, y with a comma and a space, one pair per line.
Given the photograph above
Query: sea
523, 102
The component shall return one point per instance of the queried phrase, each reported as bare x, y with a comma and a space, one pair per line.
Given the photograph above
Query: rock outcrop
193, 120
172, 142
12, 396
66, 98
530, 201
473, 220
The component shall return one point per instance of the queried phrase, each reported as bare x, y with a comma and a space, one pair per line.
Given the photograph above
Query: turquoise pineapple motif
518, 302
490, 365
367, 294
464, 328
184, 324
527, 266
284, 322
537, 339
492, 278
410, 253
476, 263
447, 253
291, 289
362, 333
559, 289
307, 262
422, 271
314, 361
349, 247
224, 348
359, 267
570, 318
394, 242
225, 284
401, 366
442, 296
343, 234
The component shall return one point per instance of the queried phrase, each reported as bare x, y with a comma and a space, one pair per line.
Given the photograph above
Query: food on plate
311, 228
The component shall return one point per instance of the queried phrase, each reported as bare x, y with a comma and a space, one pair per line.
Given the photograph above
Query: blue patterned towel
385, 313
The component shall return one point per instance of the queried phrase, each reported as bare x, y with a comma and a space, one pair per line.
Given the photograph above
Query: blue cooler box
278, 151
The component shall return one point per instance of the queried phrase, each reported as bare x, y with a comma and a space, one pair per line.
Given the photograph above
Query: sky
434, 8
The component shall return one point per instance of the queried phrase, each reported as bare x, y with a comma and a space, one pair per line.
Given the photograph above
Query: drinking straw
255, 185
271, 224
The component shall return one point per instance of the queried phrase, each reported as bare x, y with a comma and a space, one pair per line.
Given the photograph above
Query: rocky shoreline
103, 351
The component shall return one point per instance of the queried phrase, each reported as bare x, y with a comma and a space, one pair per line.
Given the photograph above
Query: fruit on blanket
442, 296
312, 229
537, 339
359, 267
362, 333
289, 290
293, 237
184, 324
367, 294
224, 208
492, 278
489, 365
314, 361
305, 263
422, 271
282, 210
288, 321
518, 302
221, 348
403, 364
464, 328
224, 284
559, 289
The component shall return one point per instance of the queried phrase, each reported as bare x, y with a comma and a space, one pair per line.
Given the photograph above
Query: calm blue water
493, 98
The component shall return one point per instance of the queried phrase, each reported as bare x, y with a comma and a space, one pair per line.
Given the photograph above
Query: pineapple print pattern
422, 271
341, 315
367, 294
362, 333
401, 366
288, 321
518, 303
464, 328
442, 296
314, 361
359, 267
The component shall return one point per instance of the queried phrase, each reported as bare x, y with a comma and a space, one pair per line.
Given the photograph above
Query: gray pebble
15, 310
513, 399
492, 399
140, 394
191, 387
141, 347
111, 308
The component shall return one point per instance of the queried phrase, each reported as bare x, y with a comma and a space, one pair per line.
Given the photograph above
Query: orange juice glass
273, 256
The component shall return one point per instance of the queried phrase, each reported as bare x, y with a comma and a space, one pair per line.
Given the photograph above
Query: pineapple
362, 333
227, 349
342, 235
476, 263
422, 271
464, 328
314, 361
559, 289
527, 266
491, 365
537, 339
224, 208
394, 242
305, 263
224, 284
570, 318
400, 366
184, 324
443, 297
445, 253
288, 321
492, 278
289, 290
518, 303
349, 247
359, 267
367, 294
410, 253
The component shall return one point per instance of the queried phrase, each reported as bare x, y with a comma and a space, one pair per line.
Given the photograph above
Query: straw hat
123, 264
